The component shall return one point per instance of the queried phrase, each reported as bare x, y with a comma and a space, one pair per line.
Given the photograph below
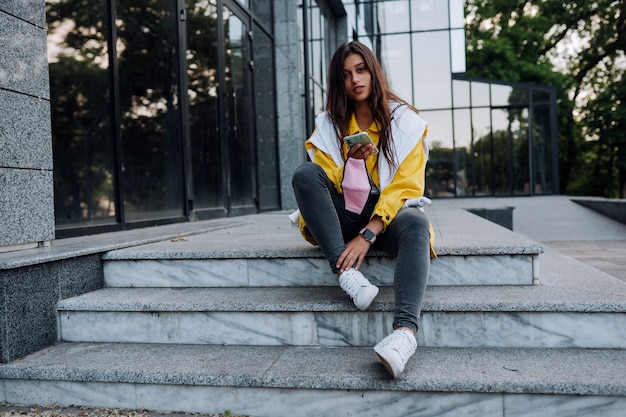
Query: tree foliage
578, 47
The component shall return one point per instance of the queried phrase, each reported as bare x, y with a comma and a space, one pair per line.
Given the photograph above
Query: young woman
359, 100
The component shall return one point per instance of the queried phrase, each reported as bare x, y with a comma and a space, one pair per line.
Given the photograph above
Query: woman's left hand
354, 252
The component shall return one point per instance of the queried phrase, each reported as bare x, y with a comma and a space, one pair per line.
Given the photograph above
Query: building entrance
153, 112
220, 110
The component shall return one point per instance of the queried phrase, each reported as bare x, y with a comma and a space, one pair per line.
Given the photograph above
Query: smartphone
363, 138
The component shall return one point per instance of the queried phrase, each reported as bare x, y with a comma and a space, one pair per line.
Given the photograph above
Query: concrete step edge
309, 299
502, 370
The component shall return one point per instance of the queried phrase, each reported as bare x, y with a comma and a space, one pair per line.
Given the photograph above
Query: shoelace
352, 284
400, 342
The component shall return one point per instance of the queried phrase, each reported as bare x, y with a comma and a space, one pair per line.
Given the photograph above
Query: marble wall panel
523, 329
192, 327
281, 402
468, 329
280, 272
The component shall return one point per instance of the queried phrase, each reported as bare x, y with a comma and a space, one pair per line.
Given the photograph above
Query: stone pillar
289, 93
26, 182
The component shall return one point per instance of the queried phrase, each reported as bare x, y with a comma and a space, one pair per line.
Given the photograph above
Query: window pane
457, 47
542, 150
393, 16
431, 70
480, 94
500, 95
461, 91
263, 11
457, 14
429, 14
202, 92
81, 126
149, 107
238, 109
510, 133
482, 159
440, 171
463, 153
541, 97
396, 64
265, 111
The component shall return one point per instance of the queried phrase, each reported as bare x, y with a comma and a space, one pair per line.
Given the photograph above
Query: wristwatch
368, 235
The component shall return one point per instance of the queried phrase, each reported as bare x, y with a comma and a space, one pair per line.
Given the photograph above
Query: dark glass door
149, 110
238, 109
153, 112
220, 110
203, 85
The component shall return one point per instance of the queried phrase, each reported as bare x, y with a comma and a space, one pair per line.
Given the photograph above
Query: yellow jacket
405, 183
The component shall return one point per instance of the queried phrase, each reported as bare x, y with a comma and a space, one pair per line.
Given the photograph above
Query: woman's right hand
360, 151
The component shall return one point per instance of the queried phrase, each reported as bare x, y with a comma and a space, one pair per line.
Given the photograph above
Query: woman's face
357, 78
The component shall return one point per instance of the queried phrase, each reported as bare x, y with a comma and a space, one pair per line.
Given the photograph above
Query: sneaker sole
386, 364
365, 307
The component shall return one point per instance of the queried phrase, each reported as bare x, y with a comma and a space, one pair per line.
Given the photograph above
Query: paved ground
606, 255
559, 223
12, 410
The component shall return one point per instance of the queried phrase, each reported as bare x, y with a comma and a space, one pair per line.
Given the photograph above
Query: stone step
575, 306
471, 250
281, 381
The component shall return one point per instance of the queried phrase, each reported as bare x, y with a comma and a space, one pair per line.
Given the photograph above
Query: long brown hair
340, 108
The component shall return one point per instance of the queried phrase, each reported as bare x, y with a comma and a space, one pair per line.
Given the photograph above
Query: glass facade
487, 138
166, 110
155, 111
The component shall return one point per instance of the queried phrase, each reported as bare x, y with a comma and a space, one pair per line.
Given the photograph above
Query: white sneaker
358, 288
395, 350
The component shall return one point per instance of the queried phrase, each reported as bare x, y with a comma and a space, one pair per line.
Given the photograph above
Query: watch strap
368, 235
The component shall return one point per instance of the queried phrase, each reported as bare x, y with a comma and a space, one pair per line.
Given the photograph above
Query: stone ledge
612, 208
484, 370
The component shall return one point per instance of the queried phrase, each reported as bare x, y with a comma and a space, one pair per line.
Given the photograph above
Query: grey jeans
406, 238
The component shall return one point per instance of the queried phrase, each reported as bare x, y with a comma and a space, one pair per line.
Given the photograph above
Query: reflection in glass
481, 153
463, 152
320, 43
440, 170
542, 150
238, 108
149, 107
397, 64
392, 16
500, 95
202, 92
457, 14
80, 97
263, 11
429, 14
510, 141
265, 111
504, 95
431, 71
461, 90
480, 94
457, 50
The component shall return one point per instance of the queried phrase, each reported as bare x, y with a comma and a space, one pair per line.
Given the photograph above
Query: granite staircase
247, 318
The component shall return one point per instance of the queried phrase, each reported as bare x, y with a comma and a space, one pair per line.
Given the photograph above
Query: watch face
368, 234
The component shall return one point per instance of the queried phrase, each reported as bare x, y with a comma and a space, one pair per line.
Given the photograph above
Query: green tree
576, 46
